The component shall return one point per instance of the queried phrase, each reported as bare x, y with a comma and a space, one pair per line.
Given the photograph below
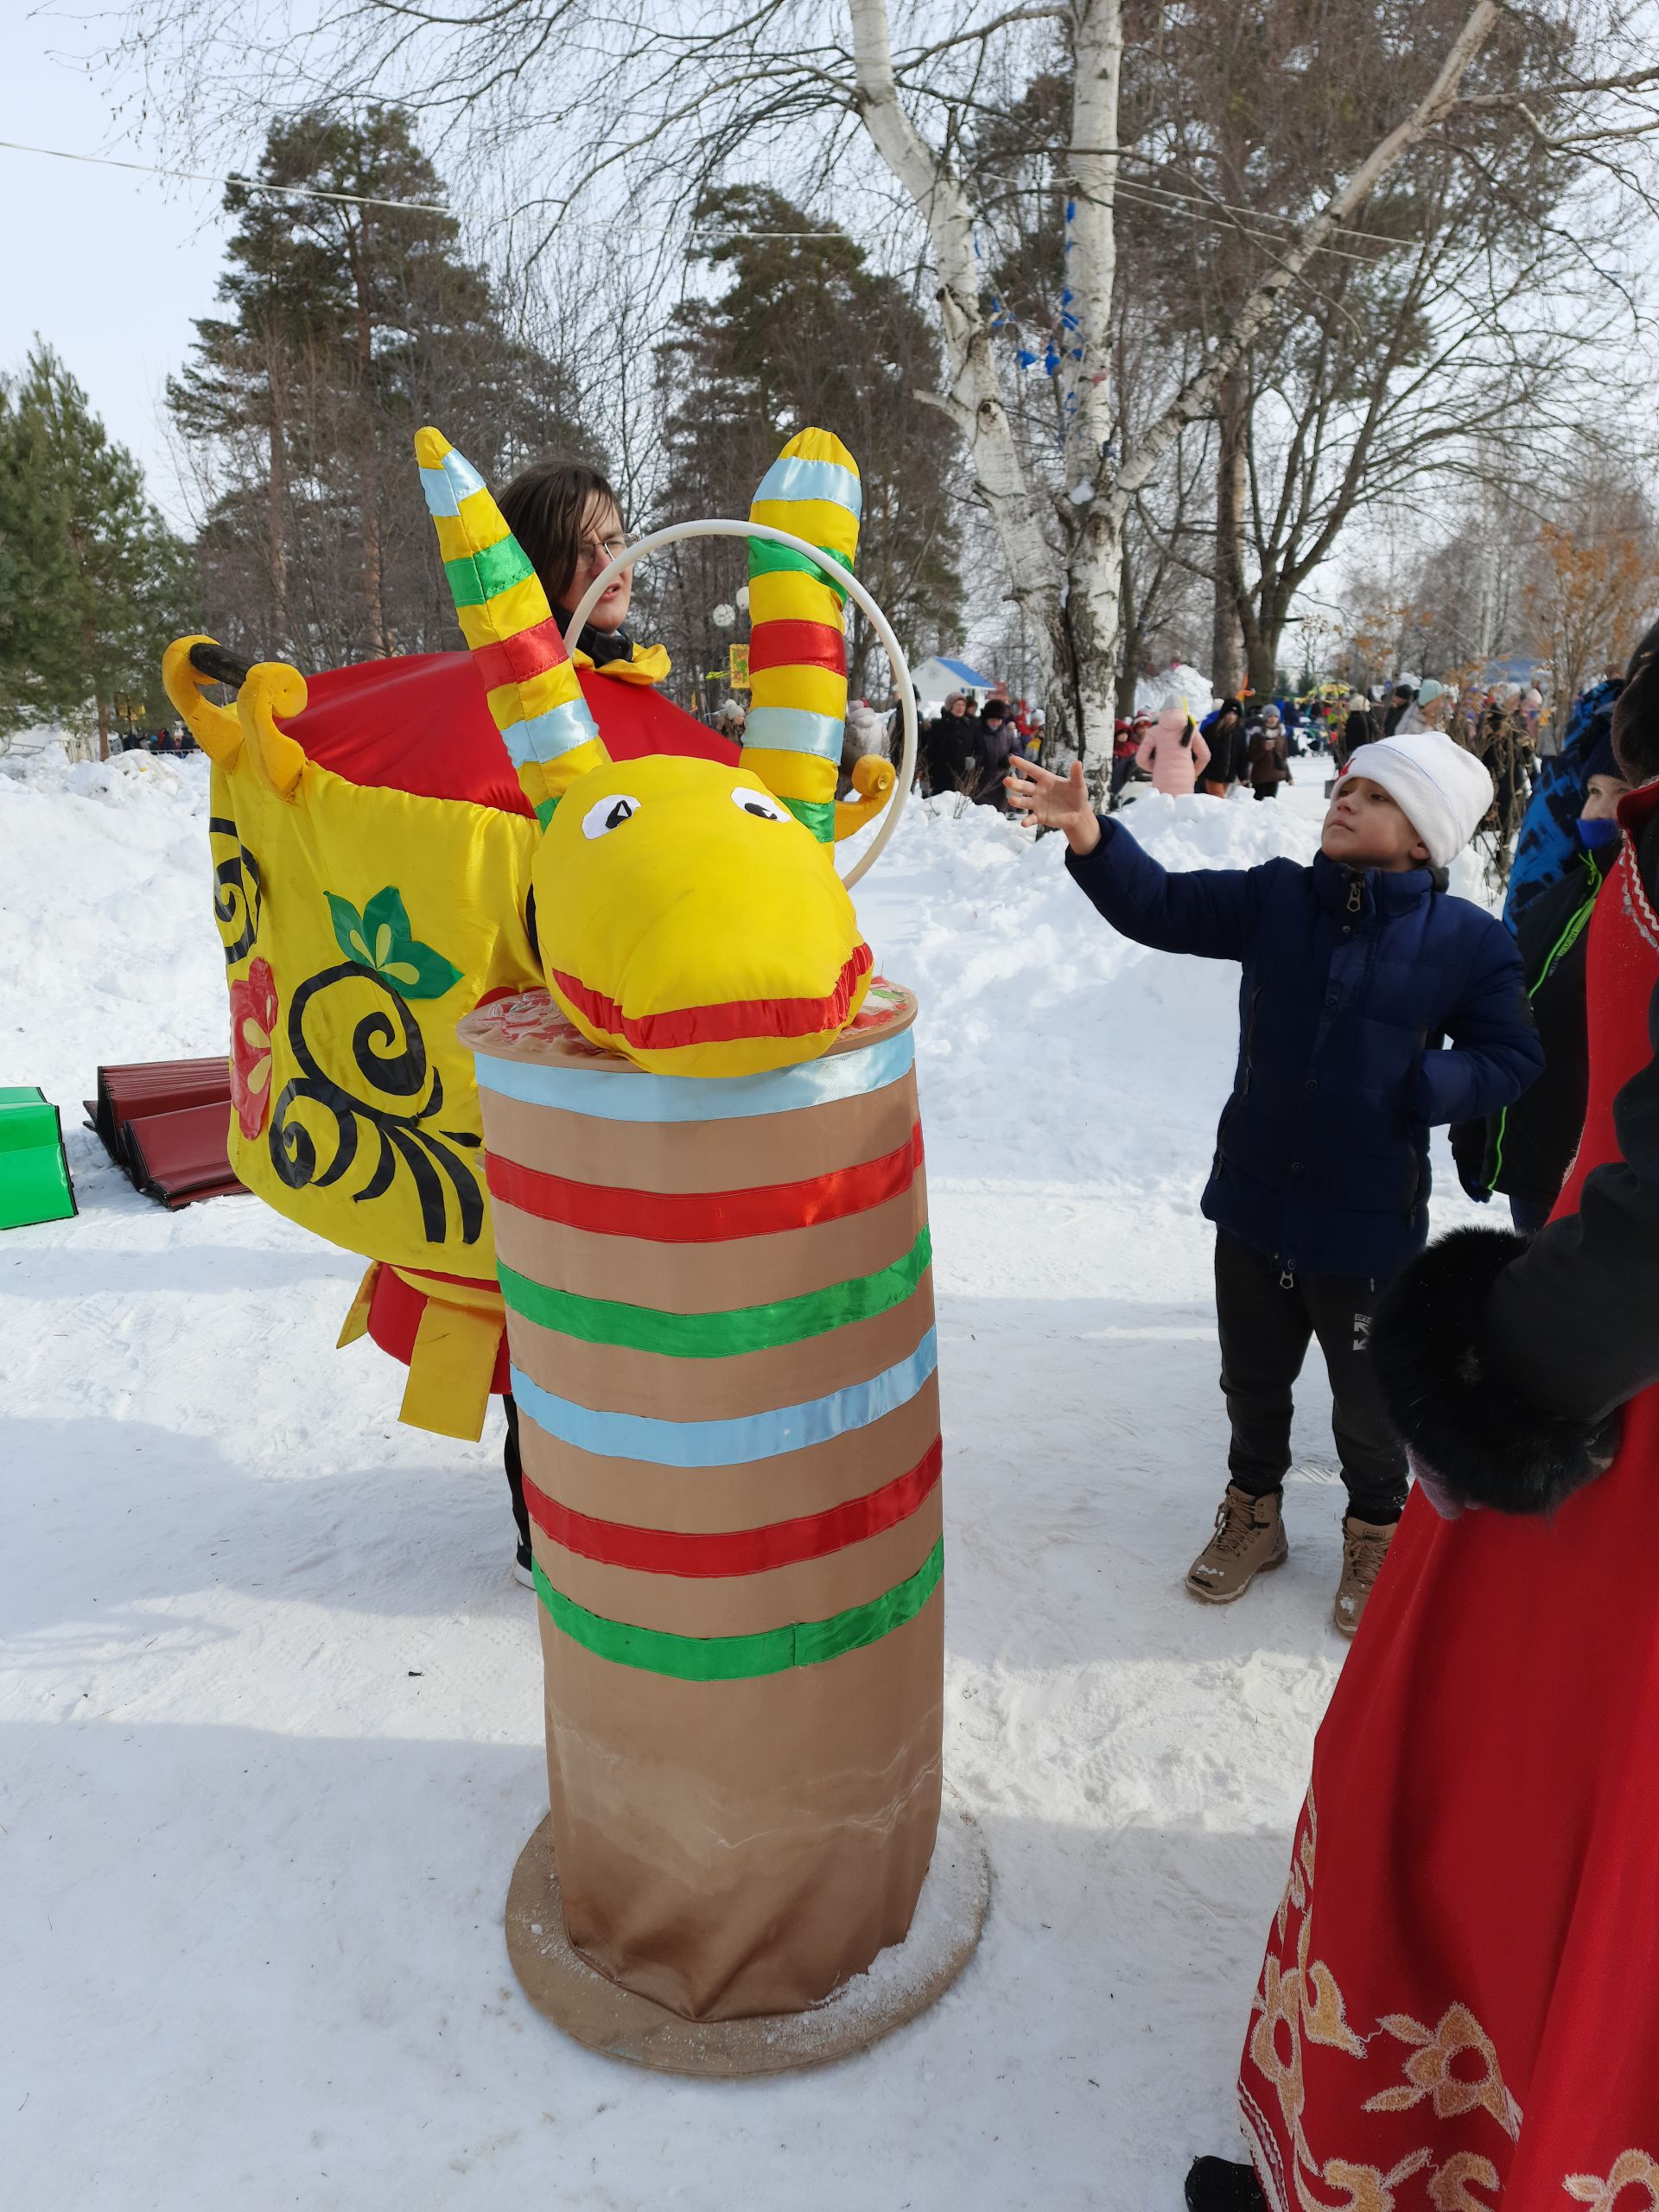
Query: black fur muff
1466, 1422
1218, 2185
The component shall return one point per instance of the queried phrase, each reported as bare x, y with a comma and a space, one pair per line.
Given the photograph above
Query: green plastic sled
33, 1174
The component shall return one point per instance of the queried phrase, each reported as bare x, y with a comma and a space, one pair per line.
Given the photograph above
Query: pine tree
806, 332
92, 578
347, 327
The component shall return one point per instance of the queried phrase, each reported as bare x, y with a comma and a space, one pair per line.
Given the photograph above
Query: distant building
1520, 670
937, 678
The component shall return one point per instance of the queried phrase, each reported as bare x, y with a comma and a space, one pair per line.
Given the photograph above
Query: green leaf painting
380, 938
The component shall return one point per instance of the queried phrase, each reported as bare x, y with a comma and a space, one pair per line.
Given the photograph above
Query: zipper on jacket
1355, 893
1249, 1040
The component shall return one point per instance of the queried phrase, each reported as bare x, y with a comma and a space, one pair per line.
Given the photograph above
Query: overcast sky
109, 267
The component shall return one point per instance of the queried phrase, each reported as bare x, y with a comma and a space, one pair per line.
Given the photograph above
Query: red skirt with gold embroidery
1460, 2000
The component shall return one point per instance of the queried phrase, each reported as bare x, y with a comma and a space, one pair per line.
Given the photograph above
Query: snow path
270, 1703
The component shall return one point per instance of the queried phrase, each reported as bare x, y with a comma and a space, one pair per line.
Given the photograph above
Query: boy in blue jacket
1354, 971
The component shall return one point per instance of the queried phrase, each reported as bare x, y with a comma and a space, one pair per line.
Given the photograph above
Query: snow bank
1179, 685
270, 1721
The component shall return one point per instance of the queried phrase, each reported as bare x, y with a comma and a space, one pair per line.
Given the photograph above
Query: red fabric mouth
730, 1021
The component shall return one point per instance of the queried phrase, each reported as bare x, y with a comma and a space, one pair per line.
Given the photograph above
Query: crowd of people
968, 749
164, 740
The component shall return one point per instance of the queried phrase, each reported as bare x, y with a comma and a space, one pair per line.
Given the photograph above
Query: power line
1209, 208
1133, 192
1207, 199
248, 183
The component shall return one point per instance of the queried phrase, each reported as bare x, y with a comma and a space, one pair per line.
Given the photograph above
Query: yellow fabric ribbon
649, 664
452, 1364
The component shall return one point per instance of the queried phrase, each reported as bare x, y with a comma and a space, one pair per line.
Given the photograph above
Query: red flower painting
253, 1024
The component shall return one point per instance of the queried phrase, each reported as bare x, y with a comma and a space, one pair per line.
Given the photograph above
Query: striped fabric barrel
720, 1312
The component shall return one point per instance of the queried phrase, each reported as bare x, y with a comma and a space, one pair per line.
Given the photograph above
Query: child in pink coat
1173, 752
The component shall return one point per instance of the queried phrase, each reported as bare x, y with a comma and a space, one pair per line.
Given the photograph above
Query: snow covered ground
271, 1703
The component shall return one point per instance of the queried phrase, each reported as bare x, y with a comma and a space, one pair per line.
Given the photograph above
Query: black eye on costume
609, 814
762, 804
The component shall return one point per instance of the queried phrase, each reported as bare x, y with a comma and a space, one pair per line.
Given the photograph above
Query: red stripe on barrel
726, 1023
738, 1551
706, 1216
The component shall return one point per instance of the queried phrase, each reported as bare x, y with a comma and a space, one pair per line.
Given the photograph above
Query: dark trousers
515, 1475
1265, 1324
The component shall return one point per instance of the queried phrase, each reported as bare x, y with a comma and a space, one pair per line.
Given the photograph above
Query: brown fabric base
732, 1849
695, 1499
602, 2015
735, 1848
736, 1155
614, 1378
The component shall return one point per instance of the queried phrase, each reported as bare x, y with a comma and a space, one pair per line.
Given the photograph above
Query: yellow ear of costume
215, 729
271, 687
509, 628
798, 652
873, 780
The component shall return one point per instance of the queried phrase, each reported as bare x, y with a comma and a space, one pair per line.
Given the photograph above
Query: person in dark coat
1362, 725
1269, 756
1401, 701
1547, 844
1354, 970
998, 740
1526, 1149
950, 745
1126, 743
1223, 731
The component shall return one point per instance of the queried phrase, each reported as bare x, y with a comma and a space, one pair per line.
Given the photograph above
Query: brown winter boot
1249, 1538
1364, 1548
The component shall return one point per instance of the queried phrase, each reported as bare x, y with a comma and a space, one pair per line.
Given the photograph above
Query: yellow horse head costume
686, 914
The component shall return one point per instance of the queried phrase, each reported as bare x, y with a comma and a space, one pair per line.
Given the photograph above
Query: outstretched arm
1211, 912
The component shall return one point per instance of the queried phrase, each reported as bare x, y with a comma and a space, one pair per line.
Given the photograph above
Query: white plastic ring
861, 598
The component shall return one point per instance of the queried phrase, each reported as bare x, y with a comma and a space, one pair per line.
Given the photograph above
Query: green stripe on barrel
717, 1336
740, 1658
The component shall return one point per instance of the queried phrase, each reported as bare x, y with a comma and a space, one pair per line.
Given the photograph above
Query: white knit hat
1442, 791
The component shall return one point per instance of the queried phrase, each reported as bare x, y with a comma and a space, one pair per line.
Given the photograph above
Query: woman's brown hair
544, 507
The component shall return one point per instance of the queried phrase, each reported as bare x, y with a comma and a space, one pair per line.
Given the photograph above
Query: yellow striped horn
798, 649
510, 631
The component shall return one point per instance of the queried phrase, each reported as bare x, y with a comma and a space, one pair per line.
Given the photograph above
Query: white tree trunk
1095, 576
974, 397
